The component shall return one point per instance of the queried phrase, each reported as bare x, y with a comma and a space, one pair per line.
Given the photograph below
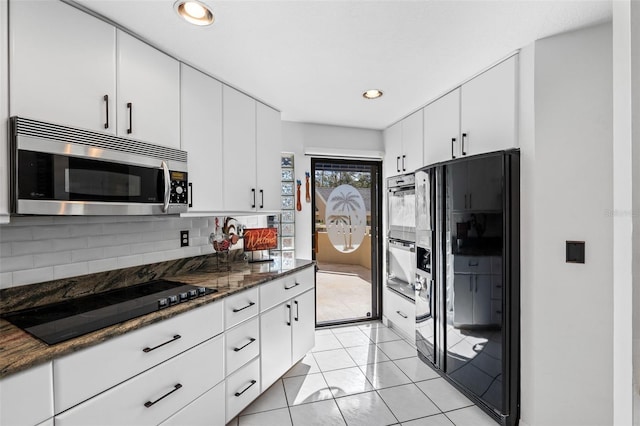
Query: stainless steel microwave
58, 170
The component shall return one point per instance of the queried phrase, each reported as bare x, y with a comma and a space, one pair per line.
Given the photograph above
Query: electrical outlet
184, 238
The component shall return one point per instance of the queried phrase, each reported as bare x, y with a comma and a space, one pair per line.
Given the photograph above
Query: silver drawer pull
251, 340
289, 288
244, 307
253, 382
401, 314
148, 349
175, 388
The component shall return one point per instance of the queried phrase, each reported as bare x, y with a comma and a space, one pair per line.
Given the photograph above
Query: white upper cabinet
202, 138
62, 64
392, 149
252, 144
403, 145
412, 142
239, 151
442, 128
148, 93
488, 112
268, 148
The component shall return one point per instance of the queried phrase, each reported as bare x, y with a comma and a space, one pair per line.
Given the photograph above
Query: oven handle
402, 245
167, 186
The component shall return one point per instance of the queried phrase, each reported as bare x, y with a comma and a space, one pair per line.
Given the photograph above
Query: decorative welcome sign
260, 239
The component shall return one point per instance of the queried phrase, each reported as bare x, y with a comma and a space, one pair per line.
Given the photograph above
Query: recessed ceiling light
194, 12
372, 94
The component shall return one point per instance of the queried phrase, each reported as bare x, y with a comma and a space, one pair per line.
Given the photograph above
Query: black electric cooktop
62, 321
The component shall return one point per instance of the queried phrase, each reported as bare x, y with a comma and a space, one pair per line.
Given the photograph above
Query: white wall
567, 195
298, 137
37, 249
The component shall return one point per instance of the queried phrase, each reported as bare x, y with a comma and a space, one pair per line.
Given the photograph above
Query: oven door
401, 271
402, 213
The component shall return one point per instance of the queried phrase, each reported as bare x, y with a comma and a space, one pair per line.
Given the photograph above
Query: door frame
376, 227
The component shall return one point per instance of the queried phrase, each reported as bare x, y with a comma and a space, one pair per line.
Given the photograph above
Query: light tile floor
362, 375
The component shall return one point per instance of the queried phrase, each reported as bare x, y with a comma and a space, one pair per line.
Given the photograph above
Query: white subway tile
51, 232
128, 261
104, 219
102, 241
70, 220
32, 220
159, 236
196, 232
70, 270
199, 241
18, 233
51, 259
156, 246
87, 254
16, 263
117, 251
133, 237
208, 249
200, 222
32, 247
190, 251
6, 279
102, 265
32, 276
5, 250
126, 227
86, 230
71, 243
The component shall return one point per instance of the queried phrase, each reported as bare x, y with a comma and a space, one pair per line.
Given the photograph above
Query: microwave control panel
179, 190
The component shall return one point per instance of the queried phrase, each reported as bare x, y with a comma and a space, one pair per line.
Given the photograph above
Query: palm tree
340, 220
346, 201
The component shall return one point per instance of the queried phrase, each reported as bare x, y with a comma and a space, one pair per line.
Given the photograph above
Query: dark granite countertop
20, 351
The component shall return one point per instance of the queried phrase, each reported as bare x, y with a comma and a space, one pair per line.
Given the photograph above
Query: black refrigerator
468, 277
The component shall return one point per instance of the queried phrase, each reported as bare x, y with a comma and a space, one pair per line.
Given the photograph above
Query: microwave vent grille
39, 129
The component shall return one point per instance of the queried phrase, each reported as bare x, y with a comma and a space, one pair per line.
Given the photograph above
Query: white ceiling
313, 59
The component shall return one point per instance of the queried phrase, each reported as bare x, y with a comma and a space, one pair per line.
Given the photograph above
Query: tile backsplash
37, 249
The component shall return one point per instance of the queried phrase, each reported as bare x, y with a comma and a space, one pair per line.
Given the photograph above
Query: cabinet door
275, 336
304, 325
488, 110
202, 137
393, 150
148, 81
268, 148
239, 151
207, 410
4, 112
442, 128
463, 286
412, 142
62, 64
26, 398
482, 300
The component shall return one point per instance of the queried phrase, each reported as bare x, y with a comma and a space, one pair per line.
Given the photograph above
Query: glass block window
284, 255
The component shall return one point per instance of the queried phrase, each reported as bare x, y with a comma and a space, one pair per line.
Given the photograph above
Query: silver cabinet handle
167, 186
401, 314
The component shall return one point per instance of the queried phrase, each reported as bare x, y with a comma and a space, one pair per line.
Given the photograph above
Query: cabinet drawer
242, 387
401, 312
154, 395
277, 291
472, 264
26, 398
114, 361
240, 307
242, 344
207, 410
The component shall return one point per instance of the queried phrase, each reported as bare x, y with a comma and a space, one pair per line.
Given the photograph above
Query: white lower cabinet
401, 312
287, 335
26, 398
118, 359
207, 410
242, 388
153, 396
